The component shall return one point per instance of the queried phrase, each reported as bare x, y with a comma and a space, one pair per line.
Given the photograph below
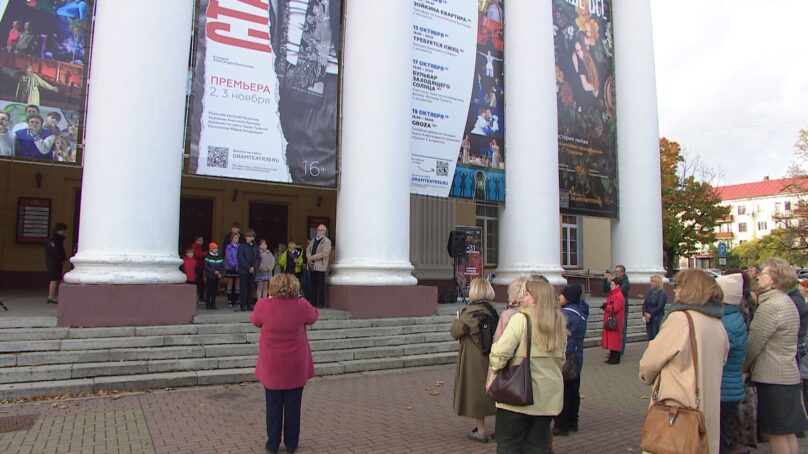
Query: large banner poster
265, 91
43, 64
458, 115
472, 264
587, 131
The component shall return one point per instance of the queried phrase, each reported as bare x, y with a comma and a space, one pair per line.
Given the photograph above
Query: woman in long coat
669, 358
472, 364
615, 303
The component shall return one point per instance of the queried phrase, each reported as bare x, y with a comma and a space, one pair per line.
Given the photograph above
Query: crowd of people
248, 266
730, 348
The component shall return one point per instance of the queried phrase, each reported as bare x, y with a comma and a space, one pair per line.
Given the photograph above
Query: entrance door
270, 222
196, 218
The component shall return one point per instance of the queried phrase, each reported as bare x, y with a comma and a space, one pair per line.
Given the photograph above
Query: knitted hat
212, 246
732, 286
573, 293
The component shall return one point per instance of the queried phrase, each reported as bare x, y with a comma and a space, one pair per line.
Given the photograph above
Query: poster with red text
472, 263
265, 91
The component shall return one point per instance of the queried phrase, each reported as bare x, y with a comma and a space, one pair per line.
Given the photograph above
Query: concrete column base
384, 301
125, 305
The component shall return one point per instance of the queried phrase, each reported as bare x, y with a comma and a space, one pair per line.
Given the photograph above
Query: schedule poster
265, 91
587, 128
458, 115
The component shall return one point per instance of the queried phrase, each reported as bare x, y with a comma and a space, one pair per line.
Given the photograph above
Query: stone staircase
39, 359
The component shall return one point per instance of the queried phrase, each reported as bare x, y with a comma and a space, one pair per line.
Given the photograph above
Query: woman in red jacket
284, 357
612, 340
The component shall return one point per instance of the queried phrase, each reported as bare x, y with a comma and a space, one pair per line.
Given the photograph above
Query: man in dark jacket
802, 308
248, 260
619, 271
576, 311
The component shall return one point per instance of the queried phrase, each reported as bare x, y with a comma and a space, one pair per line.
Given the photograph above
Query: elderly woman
770, 357
472, 360
516, 289
668, 360
527, 428
612, 340
284, 357
653, 308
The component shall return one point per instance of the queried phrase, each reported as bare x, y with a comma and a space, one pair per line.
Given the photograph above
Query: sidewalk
393, 412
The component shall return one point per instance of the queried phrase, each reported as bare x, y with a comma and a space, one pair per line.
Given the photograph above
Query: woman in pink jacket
612, 340
284, 357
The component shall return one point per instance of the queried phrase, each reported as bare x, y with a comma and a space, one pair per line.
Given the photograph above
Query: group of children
243, 263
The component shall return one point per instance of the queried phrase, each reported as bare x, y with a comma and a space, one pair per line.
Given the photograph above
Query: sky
732, 82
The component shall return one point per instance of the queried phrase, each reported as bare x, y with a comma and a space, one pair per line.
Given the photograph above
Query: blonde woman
770, 358
669, 358
527, 427
472, 360
653, 308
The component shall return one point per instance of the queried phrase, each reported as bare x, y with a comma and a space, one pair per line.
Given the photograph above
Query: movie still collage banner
265, 91
458, 115
587, 130
43, 70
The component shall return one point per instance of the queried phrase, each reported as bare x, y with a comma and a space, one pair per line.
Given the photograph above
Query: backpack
485, 333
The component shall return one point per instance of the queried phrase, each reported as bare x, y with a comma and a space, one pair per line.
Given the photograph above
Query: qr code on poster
441, 168
218, 157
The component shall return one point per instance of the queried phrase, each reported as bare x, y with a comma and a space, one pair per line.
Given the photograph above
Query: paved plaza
391, 412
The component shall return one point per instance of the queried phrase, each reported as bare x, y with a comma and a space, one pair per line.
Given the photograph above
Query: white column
530, 227
373, 203
134, 144
637, 236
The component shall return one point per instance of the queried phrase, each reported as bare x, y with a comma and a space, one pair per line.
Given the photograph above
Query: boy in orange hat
214, 267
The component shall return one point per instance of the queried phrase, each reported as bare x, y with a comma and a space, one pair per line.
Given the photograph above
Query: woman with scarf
668, 360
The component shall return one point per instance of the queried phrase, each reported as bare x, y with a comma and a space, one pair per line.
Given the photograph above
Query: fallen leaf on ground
408, 407
646, 398
434, 393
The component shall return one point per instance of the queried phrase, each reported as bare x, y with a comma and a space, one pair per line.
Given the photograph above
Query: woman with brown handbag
528, 426
681, 377
614, 308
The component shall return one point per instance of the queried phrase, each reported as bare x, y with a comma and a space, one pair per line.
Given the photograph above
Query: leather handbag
513, 385
611, 321
672, 429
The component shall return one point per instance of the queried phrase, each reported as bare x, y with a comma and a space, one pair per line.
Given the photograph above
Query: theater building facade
531, 125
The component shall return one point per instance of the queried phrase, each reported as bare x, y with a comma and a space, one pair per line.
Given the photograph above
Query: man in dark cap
576, 311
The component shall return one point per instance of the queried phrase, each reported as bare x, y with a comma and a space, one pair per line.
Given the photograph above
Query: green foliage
691, 208
779, 243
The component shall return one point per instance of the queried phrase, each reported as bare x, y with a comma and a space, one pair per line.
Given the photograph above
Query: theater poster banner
265, 91
471, 264
458, 115
587, 131
43, 63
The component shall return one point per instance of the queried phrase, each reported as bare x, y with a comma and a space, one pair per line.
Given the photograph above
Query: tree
794, 223
691, 207
775, 244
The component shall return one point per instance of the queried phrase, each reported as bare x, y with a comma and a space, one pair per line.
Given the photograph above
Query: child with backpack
214, 267
264, 269
231, 270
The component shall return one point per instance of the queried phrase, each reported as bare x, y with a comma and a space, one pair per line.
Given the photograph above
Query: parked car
802, 273
714, 272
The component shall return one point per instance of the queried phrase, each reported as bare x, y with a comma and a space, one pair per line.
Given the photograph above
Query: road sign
722, 261
722, 250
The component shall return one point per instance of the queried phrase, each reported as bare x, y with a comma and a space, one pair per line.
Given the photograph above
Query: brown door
269, 222
196, 218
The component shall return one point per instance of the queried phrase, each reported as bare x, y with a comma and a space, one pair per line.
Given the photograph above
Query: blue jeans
283, 412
